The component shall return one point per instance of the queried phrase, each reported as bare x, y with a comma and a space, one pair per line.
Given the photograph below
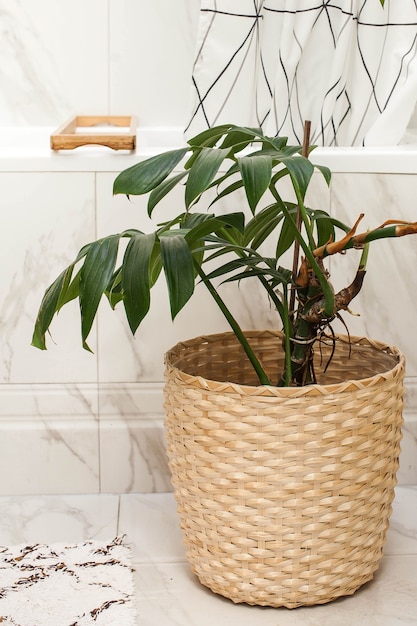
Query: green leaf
190, 220
238, 139
210, 136
49, 307
278, 155
325, 227
278, 143
95, 275
230, 189
156, 264
146, 175
235, 220
72, 289
69, 293
256, 175
301, 171
136, 278
178, 266
254, 266
202, 172
326, 173
278, 175
198, 225
200, 229
330, 222
274, 277
114, 291
162, 190
260, 225
222, 248
233, 169
246, 262
324, 283
286, 238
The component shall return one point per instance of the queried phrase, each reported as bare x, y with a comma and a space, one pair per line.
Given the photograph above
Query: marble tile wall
76, 422
72, 57
48, 405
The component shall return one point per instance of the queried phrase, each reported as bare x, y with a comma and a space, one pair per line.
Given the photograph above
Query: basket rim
270, 390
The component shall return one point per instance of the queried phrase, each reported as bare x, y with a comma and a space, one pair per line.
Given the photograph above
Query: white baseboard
74, 439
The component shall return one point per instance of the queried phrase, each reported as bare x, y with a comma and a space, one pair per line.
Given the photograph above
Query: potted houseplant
283, 445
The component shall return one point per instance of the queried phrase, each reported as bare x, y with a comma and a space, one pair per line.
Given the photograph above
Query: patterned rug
87, 584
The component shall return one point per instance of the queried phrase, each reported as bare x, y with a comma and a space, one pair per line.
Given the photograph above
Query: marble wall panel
49, 418
152, 47
132, 439
64, 58
407, 473
45, 219
386, 304
49, 439
53, 59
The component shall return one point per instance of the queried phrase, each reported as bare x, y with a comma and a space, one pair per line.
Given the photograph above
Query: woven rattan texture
284, 495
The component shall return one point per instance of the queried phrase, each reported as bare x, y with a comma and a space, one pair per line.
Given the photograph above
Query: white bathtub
27, 149
383, 159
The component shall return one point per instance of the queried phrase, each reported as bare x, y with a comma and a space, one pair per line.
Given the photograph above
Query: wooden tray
78, 131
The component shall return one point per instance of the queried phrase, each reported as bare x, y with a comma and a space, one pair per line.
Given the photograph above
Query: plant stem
299, 221
287, 322
327, 291
263, 378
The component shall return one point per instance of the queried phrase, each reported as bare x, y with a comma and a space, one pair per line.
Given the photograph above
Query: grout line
97, 353
108, 58
118, 514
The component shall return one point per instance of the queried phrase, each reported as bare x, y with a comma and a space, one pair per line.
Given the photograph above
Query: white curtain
348, 66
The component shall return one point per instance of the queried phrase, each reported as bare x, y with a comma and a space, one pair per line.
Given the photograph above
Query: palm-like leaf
49, 307
256, 176
179, 270
301, 170
136, 284
161, 190
202, 173
95, 275
145, 176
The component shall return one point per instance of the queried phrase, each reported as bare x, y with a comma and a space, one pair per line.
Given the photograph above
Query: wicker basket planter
284, 494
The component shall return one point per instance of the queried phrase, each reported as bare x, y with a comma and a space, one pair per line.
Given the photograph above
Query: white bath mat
87, 584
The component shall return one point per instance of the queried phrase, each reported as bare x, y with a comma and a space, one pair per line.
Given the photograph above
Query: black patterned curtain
349, 66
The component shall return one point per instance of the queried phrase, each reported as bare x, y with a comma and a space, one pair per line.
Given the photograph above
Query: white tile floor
169, 595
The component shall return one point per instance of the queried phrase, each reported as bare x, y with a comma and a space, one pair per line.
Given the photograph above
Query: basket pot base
284, 494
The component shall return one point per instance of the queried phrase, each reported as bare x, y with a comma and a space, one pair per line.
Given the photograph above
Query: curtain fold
348, 66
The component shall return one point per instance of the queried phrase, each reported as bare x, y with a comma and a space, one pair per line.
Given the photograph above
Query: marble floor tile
49, 519
150, 523
167, 592
402, 534
169, 595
